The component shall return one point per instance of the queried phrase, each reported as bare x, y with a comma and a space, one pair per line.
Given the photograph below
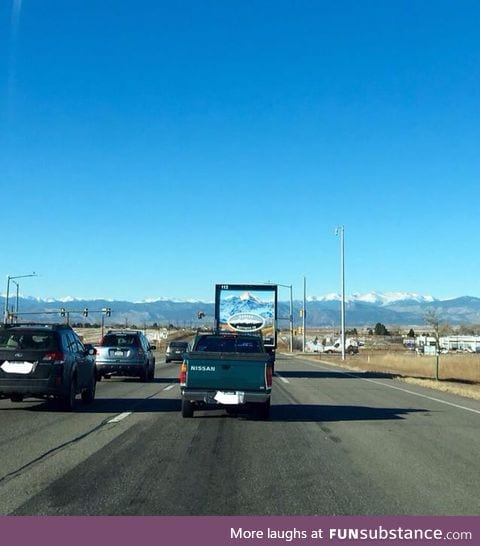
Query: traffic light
85, 312
108, 312
62, 312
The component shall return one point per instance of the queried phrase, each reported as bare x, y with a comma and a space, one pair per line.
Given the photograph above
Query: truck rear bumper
225, 398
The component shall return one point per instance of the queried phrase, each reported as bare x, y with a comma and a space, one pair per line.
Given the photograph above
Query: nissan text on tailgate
226, 370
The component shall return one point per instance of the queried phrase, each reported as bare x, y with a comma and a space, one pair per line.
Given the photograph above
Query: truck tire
263, 409
187, 408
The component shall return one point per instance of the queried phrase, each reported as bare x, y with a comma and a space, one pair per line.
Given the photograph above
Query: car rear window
27, 340
178, 345
122, 340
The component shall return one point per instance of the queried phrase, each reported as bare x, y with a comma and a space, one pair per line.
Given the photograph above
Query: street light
16, 298
304, 314
340, 231
11, 278
291, 314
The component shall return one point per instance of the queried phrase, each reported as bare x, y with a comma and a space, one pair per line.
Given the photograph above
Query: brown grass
458, 373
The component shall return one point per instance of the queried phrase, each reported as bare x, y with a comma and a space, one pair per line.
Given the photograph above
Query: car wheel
187, 408
88, 394
16, 398
145, 375
68, 400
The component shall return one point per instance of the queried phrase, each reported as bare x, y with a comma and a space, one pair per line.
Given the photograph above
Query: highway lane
337, 443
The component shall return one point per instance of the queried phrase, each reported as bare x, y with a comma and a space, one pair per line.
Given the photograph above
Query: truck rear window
228, 345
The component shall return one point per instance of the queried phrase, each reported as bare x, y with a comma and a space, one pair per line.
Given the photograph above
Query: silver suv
125, 353
175, 350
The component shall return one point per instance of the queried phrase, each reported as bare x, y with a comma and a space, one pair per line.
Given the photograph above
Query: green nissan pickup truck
228, 370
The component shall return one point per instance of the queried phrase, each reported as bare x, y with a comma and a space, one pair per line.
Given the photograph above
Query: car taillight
183, 374
54, 356
268, 375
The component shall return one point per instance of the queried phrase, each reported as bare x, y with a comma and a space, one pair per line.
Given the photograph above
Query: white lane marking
281, 378
458, 406
127, 413
120, 417
422, 395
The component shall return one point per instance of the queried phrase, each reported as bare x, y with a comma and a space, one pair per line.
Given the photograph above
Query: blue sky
153, 149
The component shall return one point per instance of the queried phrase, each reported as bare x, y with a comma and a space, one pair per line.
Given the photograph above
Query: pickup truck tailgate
226, 371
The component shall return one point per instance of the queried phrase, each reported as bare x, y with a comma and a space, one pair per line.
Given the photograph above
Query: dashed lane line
125, 414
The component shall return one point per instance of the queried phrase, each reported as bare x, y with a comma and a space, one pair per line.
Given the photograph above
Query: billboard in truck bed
247, 308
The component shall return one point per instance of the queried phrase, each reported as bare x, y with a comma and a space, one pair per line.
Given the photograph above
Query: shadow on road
101, 405
278, 412
321, 412
337, 375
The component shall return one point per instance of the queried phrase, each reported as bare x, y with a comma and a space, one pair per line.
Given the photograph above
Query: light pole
11, 278
291, 314
304, 314
340, 231
16, 298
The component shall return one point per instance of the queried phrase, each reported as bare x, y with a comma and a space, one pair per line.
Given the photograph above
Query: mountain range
362, 310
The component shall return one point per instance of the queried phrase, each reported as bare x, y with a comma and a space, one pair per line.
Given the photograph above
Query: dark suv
45, 361
125, 352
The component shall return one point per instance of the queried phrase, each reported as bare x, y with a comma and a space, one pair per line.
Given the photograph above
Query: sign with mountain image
247, 308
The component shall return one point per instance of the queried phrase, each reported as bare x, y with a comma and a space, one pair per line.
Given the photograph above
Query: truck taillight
183, 374
268, 376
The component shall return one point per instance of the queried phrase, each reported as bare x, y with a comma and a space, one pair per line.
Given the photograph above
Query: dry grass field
458, 373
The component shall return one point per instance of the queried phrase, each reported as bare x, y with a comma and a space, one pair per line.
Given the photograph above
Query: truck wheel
187, 408
263, 409
16, 398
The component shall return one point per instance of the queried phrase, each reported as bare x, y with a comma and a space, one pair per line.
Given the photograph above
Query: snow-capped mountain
245, 303
399, 308
377, 298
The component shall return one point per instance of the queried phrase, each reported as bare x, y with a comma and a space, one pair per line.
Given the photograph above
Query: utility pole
340, 231
304, 309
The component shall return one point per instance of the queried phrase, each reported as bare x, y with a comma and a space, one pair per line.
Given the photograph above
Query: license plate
17, 367
118, 353
230, 398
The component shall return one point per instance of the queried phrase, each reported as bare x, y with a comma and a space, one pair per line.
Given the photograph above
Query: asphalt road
337, 443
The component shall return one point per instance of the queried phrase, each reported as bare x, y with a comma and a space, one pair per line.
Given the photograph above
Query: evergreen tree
381, 330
